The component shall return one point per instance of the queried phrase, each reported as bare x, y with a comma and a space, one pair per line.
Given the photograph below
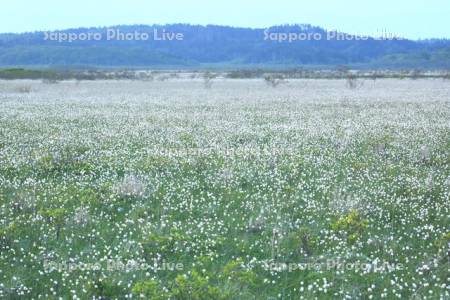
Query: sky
414, 19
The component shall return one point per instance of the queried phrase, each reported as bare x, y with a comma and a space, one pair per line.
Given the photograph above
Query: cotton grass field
173, 189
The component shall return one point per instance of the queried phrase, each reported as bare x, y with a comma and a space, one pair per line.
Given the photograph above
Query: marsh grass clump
275, 242
131, 186
353, 82
381, 146
145, 76
446, 75
24, 202
258, 224
425, 154
50, 81
342, 203
81, 216
208, 79
274, 80
163, 78
374, 75
415, 74
301, 242
7, 234
443, 245
23, 89
55, 217
62, 159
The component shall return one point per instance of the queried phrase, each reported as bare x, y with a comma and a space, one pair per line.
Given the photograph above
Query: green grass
71, 195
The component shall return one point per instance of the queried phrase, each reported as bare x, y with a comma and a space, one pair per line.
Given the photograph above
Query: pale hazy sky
407, 18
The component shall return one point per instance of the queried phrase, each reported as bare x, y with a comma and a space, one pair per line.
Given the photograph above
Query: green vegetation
166, 190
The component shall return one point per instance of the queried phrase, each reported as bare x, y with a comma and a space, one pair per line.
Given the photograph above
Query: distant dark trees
218, 45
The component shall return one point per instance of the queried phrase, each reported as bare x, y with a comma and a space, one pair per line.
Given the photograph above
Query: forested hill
181, 45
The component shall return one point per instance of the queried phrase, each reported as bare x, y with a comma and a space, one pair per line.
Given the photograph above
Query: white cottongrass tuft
81, 216
342, 203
